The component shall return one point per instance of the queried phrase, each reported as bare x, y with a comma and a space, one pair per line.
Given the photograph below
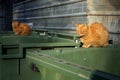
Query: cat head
15, 24
81, 29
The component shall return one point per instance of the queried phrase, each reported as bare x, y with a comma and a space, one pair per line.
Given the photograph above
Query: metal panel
26, 68
77, 64
53, 13
9, 70
103, 5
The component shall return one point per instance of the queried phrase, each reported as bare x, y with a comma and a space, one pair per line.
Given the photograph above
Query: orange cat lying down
20, 28
95, 35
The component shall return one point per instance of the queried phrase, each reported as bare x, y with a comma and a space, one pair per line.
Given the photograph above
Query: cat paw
86, 46
105, 44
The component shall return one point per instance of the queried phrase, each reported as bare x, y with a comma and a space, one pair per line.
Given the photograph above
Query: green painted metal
55, 56
50, 68
6, 33
9, 70
13, 46
26, 72
80, 63
105, 59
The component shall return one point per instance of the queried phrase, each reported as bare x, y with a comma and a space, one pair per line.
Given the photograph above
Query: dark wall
5, 15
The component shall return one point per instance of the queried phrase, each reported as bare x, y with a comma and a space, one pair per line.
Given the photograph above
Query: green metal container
13, 51
55, 56
13, 46
76, 64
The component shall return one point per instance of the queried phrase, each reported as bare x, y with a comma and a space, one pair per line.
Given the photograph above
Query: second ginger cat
20, 28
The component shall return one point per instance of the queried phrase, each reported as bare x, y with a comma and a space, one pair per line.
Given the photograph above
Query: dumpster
13, 51
76, 63
55, 56
12, 44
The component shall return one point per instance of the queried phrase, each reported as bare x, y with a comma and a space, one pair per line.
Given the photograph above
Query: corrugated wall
52, 14
63, 14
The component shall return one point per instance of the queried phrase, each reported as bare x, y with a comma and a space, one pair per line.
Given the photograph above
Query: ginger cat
95, 35
20, 28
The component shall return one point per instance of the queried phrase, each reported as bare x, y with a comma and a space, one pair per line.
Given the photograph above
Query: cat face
15, 24
81, 29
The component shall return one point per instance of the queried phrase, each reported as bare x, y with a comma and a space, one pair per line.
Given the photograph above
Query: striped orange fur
95, 35
20, 28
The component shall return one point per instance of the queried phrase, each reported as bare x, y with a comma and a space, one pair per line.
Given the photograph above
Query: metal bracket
14, 53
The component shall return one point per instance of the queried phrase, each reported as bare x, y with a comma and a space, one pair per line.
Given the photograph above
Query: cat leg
83, 46
18, 32
24, 33
96, 45
105, 44
86, 46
